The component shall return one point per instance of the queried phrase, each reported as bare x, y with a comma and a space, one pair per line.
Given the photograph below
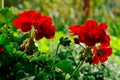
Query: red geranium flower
91, 33
1, 50
101, 54
26, 19
45, 28
42, 24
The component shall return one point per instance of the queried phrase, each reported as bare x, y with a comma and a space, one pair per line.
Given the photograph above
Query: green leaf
3, 39
65, 65
0, 64
20, 74
6, 58
33, 59
28, 66
42, 58
115, 47
1, 25
41, 75
28, 78
9, 48
6, 15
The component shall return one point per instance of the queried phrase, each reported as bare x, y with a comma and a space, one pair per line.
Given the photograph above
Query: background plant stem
1, 4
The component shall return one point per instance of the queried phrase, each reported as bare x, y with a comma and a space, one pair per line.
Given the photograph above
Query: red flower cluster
1, 50
42, 24
90, 34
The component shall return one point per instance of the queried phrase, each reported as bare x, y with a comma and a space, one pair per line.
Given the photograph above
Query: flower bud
65, 41
76, 41
1, 50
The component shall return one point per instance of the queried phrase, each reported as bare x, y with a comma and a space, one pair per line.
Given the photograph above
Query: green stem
81, 46
53, 67
56, 51
1, 4
32, 32
77, 68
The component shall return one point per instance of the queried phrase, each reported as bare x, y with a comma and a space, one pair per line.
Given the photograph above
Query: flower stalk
79, 64
55, 59
77, 68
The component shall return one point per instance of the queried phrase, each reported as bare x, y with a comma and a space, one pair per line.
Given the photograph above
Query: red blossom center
99, 52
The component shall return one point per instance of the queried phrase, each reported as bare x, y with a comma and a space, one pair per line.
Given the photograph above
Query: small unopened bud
1, 50
65, 41
22, 47
28, 45
76, 41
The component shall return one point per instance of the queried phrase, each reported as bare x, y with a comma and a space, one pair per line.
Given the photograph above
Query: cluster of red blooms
90, 34
1, 50
42, 25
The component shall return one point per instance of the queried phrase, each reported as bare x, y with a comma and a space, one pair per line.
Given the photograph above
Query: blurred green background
75, 12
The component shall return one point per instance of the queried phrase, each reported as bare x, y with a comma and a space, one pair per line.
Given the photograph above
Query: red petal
17, 23
49, 34
27, 13
91, 26
35, 18
103, 59
106, 52
39, 36
95, 50
26, 28
106, 41
75, 30
44, 21
81, 38
103, 26
95, 59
